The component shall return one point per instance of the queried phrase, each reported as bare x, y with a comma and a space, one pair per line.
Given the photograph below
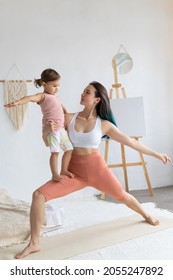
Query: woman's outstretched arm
114, 133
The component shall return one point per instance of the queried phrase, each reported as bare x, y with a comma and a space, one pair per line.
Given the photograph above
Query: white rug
14, 219
73, 243
80, 213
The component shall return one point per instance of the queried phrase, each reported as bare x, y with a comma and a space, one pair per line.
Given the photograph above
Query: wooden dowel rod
127, 164
28, 81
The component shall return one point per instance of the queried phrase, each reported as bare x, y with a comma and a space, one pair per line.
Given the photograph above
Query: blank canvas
129, 115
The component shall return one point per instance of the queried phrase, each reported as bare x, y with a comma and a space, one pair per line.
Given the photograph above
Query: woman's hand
53, 126
165, 158
48, 128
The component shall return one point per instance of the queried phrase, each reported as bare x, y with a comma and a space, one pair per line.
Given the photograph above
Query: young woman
85, 130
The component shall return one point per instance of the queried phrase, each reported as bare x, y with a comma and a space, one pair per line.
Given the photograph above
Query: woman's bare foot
28, 250
151, 220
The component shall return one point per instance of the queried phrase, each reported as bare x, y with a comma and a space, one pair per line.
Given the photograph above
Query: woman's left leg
107, 182
113, 188
133, 204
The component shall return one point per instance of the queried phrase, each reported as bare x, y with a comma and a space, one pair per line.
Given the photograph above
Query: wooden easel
119, 90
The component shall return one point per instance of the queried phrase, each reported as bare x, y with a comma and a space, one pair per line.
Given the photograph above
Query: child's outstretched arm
29, 98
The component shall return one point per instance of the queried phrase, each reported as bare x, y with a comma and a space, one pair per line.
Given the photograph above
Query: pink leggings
89, 170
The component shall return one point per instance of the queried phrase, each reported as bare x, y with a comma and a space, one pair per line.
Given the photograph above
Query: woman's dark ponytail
103, 108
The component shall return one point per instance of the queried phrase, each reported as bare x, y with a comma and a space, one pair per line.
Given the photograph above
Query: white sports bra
89, 139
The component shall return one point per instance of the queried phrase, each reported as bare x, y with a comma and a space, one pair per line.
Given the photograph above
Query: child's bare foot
57, 177
151, 220
67, 173
28, 250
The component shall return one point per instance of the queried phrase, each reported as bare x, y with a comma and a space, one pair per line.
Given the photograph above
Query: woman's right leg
48, 191
36, 221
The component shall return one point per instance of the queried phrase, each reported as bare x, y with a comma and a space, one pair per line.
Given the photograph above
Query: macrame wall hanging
14, 90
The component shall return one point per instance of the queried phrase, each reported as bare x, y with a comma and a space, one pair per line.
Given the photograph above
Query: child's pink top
52, 110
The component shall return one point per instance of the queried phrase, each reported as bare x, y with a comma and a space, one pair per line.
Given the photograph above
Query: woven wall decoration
14, 90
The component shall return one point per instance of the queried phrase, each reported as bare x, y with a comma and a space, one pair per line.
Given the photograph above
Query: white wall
79, 38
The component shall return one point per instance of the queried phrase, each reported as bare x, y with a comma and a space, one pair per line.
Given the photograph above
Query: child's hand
12, 104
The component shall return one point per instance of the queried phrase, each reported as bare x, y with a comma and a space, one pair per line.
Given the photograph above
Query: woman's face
88, 96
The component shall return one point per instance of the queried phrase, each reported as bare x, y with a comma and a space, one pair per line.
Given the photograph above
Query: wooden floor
163, 197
